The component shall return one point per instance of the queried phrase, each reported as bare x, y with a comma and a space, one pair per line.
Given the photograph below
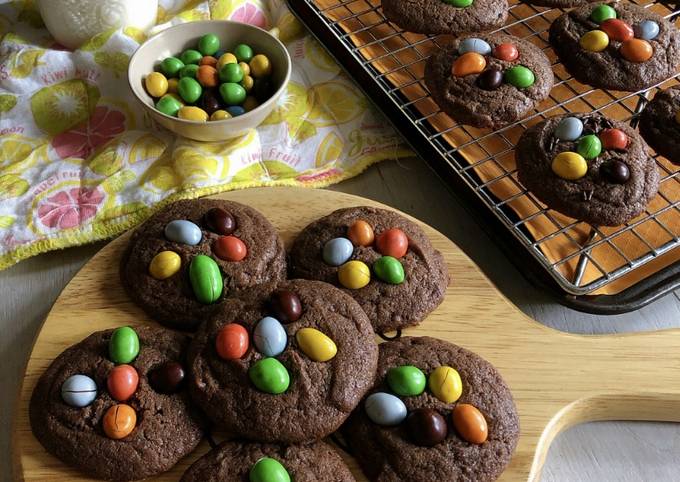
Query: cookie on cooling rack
617, 45
446, 16
381, 259
436, 408
288, 366
192, 255
560, 3
236, 462
115, 405
588, 167
489, 80
660, 123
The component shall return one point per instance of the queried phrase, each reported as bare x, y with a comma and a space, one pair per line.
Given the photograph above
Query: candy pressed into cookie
660, 123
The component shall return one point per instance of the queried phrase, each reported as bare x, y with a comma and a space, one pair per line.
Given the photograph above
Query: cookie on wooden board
660, 123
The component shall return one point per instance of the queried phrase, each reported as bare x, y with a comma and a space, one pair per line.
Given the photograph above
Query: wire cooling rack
594, 268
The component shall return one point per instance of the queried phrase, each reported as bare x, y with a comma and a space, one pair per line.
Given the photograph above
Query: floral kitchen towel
79, 160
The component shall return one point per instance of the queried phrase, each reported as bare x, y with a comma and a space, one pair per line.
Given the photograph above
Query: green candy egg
171, 66
406, 380
189, 89
168, 105
602, 13
232, 94
269, 376
191, 56
206, 279
209, 44
190, 70
589, 146
268, 470
459, 3
231, 73
123, 345
519, 76
243, 52
389, 269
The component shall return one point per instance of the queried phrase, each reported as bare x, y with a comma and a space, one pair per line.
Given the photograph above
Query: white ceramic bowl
175, 40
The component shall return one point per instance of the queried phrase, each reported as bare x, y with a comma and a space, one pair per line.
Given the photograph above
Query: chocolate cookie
616, 45
74, 415
489, 80
560, 3
288, 367
230, 247
660, 123
437, 412
588, 167
234, 461
409, 276
448, 17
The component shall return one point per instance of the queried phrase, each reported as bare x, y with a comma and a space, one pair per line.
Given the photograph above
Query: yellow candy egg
193, 114
354, 275
245, 68
677, 117
260, 66
156, 84
445, 384
220, 115
165, 264
226, 59
594, 41
315, 344
250, 103
248, 83
173, 85
569, 165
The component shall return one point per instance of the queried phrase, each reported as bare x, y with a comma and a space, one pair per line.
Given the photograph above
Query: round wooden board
557, 379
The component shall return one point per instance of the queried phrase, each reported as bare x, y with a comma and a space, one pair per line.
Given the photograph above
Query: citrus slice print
24, 61
160, 177
265, 171
14, 148
59, 107
7, 102
116, 61
249, 13
106, 161
289, 27
12, 186
6, 221
292, 105
135, 34
193, 167
104, 125
335, 103
147, 146
319, 57
329, 150
68, 206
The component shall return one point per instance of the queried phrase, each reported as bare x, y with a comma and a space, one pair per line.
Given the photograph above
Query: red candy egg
122, 382
230, 248
506, 52
613, 139
232, 342
392, 242
617, 29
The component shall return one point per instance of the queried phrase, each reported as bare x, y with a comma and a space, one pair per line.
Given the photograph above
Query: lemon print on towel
59, 107
15, 148
335, 103
315, 52
329, 151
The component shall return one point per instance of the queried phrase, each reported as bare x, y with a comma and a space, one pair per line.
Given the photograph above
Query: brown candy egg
617, 29
636, 50
426, 427
167, 378
470, 423
490, 79
286, 306
119, 421
220, 221
467, 64
615, 171
361, 233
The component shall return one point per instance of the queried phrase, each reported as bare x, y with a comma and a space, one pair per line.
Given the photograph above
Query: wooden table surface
593, 452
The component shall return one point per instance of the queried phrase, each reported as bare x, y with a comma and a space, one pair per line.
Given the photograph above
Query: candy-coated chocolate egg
468, 64
190, 70
123, 345
235, 110
270, 337
192, 113
445, 384
519, 76
122, 382
636, 50
617, 29
474, 44
207, 76
171, 66
268, 470
260, 66
614, 139
286, 306
165, 264
191, 56
209, 44
601, 13
219, 115
230, 248
247, 83
269, 376
250, 103
389, 270
243, 52
219, 221
225, 59
506, 51
173, 85
245, 68
316, 345
385, 409
361, 233
589, 146
647, 30
262, 88
569, 165
156, 84
189, 89
119, 421
354, 275
470, 423
210, 101
406, 380
206, 279
427, 427
594, 41
490, 79
337, 251
615, 171
183, 231
169, 105
167, 378
231, 73
232, 341
232, 94
459, 3
392, 242
569, 129
208, 60
78, 391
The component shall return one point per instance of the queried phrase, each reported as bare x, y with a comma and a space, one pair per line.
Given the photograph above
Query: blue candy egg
183, 231
385, 409
236, 110
270, 337
646, 30
337, 251
474, 44
79, 391
569, 129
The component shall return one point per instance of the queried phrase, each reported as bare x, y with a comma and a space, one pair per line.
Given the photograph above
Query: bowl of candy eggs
211, 80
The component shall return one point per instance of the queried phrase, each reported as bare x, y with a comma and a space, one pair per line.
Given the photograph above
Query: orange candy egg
122, 382
636, 50
232, 342
470, 423
230, 248
207, 76
119, 421
617, 29
392, 242
208, 60
467, 64
361, 233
